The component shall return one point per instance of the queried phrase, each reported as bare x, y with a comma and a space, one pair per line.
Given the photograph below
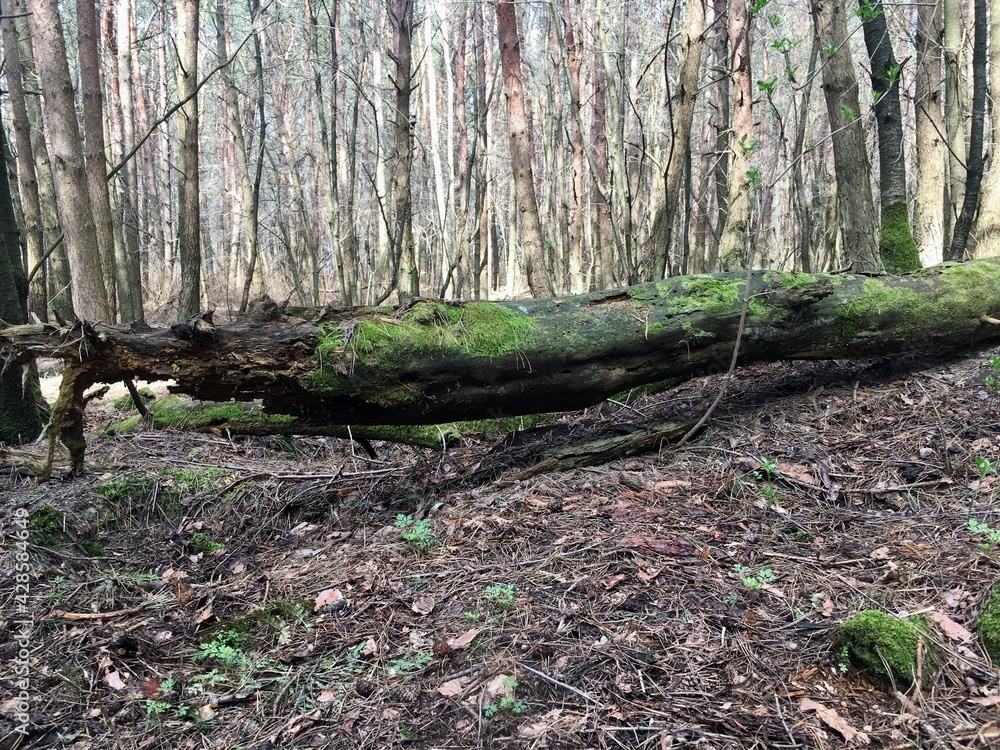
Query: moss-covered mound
885, 646
988, 624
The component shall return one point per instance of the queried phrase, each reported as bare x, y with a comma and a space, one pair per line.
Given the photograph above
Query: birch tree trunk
90, 298
932, 155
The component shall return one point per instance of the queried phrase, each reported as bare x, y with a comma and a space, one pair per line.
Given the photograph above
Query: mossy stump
886, 647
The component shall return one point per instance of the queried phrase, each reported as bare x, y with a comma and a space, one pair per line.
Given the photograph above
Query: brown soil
203, 591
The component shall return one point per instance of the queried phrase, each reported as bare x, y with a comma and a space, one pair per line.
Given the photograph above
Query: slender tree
189, 206
539, 283
932, 154
90, 298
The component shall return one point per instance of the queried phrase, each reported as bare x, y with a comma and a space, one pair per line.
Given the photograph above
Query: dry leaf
796, 473
150, 689
329, 598
833, 720
204, 614
325, 696
988, 700
663, 546
610, 583
452, 687
670, 484
423, 605
206, 712
114, 681
239, 568
951, 628
463, 640
648, 574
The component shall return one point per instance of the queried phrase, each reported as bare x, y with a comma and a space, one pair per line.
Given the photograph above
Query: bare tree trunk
539, 282
90, 298
859, 228
681, 120
733, 243
987, 228
954, 107
974, 161
95, 159
929, 204
189, 207
26, 176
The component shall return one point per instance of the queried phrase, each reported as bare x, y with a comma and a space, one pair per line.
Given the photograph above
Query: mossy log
432, 362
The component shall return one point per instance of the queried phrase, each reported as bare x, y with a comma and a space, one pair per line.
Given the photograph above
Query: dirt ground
203, 591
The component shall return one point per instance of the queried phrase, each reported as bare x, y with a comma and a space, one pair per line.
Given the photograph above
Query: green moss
181, 413
124, 403
896, 246
757, 307
655, 329
885, 646
205, 543
45, 524
93, 548
704, 292
479, 329
988, 624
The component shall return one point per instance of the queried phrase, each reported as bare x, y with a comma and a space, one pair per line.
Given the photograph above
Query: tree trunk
859, 228
974, 161
520, 152
897, 249
20, 420
429, 362
90, 298
929, 203
733, 244
681, 119
26, 175
188, 206
404, 253
954, 107
987, 229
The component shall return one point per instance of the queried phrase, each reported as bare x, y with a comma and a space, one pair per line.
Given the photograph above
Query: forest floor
196, 591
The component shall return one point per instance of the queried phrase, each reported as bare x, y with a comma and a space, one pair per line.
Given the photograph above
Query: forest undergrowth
200, 591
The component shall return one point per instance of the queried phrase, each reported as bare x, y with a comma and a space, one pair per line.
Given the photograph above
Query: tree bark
188, 207
20, 420
404, 253
429, 362
520, 152
897, 249
932, 154
974, 162
857, 219
90, 298
987, 228
954, 107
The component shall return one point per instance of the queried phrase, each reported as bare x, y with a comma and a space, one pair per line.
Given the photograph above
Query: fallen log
429, 362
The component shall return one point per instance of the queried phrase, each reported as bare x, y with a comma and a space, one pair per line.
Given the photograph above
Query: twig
554, 681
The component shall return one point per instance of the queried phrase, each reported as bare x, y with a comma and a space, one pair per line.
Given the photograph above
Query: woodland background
343, 152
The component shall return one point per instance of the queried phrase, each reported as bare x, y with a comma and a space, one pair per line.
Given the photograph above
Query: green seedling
502, 596
985, 467
753, 582
418, 534
768, 469
205, 544
992, 378
992, 535
508, 704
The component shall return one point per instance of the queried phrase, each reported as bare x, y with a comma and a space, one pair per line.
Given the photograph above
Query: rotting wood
431, 362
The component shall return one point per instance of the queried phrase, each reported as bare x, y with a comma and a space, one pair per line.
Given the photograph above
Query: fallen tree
430, 362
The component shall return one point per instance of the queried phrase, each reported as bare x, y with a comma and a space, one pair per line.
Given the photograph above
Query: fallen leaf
206, 712
452, 687
463, 640
951, 628
329, 598
114, 681
204, 614
239, 568
833, 720
325, 696
610, 583
423, 605
663, 546
648, 574
670, 484
796, 473
149, 688
989, 700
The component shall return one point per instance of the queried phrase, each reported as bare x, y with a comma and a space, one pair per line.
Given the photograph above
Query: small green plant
226, 650
410, 663
866, 11
992, 378
830, 49
768, 469
992, 535
747, 146
418, 534
508, 703
205, 543
501, 595
93, 548
770, 496
767, 85
984, 466
849, 114
757, 6
754, 179
45, 523
751, 581
803, 536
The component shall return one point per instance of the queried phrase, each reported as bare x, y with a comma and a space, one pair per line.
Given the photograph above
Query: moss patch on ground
885, 646
988, 624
